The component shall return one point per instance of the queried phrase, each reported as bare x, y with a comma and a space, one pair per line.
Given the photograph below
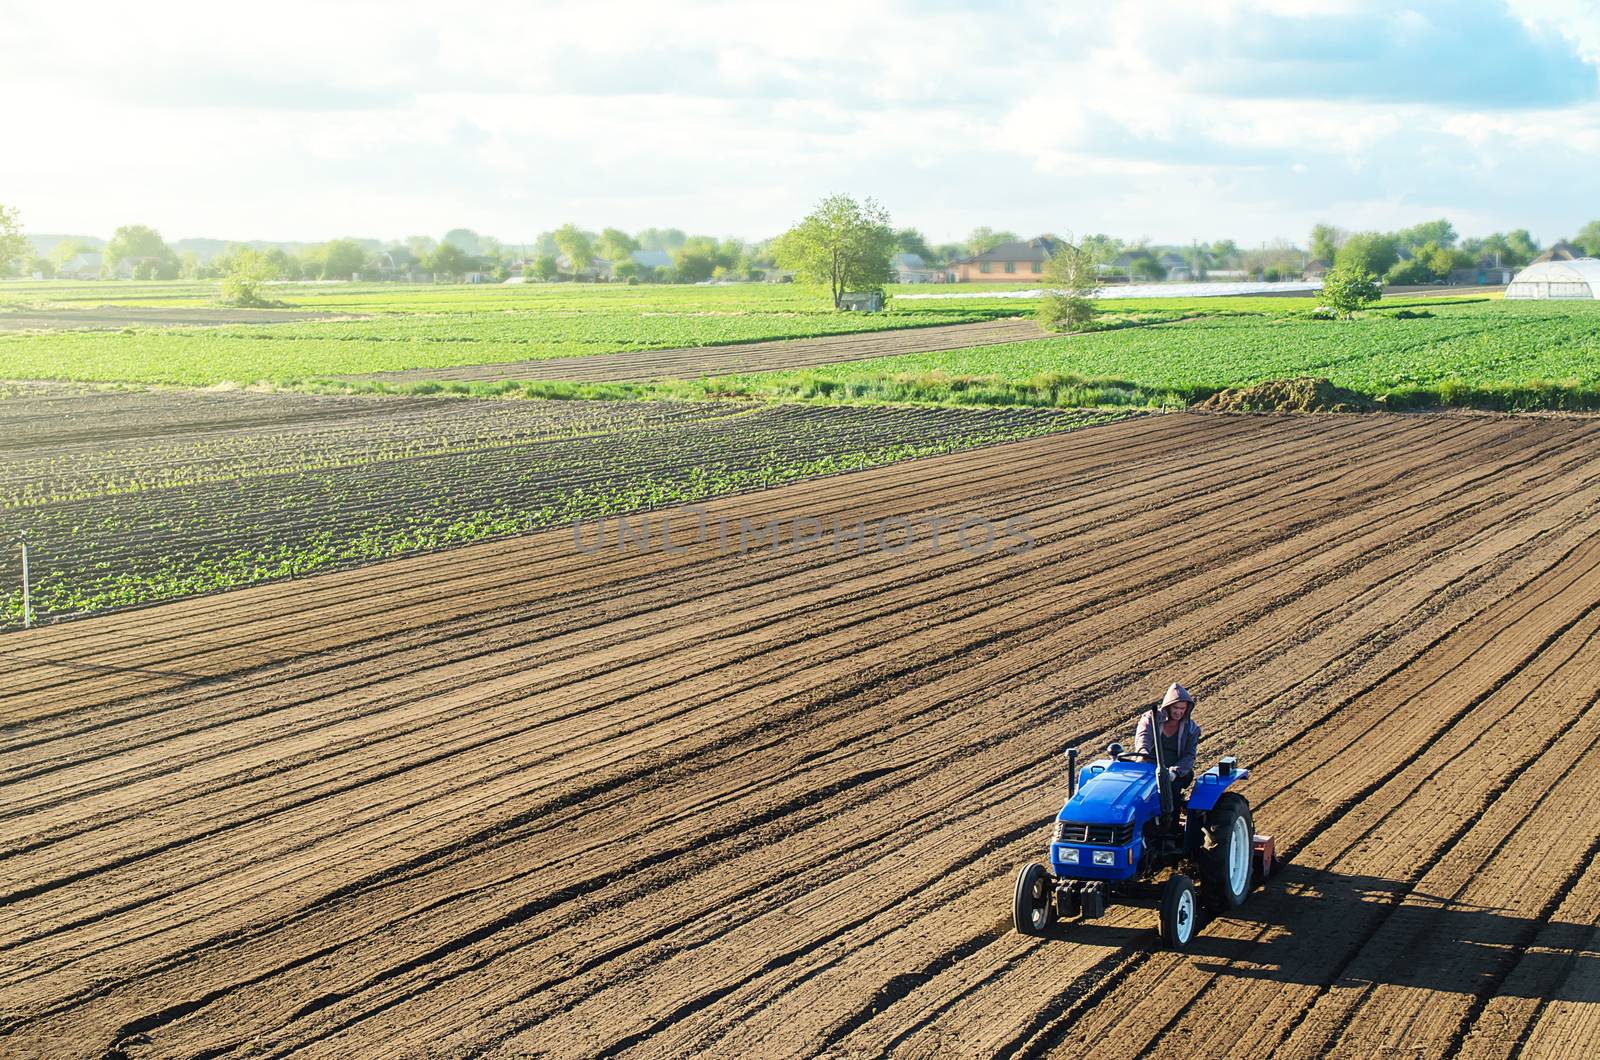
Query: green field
1154, 352
1492, 354
426, 327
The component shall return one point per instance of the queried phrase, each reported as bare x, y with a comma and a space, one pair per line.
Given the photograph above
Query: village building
1005, 263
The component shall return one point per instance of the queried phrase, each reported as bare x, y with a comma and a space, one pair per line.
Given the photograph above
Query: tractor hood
1111, 793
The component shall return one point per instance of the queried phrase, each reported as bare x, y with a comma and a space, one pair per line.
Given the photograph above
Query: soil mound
1288, 395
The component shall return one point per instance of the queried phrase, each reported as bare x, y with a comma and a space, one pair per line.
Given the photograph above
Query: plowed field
544, 802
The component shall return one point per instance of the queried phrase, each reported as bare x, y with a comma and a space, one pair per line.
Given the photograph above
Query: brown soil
527, 801
698, 361
1287, 395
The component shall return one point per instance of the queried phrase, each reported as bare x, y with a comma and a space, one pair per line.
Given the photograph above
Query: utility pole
27, 604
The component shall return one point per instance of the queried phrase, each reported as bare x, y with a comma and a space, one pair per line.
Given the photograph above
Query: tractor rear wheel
1180, 912
1030, 909
1226, 860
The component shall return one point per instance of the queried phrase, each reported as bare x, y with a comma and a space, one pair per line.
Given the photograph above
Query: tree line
1422, 253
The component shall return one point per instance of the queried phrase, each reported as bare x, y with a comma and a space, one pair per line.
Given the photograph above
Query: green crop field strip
136, 496
1490, 353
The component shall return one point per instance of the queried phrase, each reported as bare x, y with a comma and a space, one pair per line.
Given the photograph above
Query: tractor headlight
1067, 855
1105, 857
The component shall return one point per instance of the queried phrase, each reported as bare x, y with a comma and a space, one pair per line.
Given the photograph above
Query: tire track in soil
796, 807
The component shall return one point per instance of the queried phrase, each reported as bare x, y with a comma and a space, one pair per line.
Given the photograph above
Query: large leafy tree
1372, 252
696, 260
843, 244
575, 244
140, 241
341, 258
447, 259
615, 245
14, 246
1440, 233
912, 241
1588, 238
1326, 240
469, 242
984, 238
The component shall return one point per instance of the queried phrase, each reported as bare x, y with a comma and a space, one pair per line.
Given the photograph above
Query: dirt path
698, 361
676, 803
103, 318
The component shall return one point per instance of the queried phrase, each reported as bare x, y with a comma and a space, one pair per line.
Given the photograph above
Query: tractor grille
1106, 835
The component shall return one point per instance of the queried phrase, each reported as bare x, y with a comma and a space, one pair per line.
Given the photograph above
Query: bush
1409, 273
1070, 286
1349, 288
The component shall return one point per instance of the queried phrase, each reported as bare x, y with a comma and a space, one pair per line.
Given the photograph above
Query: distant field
437, 327
1485, 353
421, 328
1465, 349
130, 497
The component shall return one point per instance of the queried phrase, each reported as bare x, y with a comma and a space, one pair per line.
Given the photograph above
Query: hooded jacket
1188, 738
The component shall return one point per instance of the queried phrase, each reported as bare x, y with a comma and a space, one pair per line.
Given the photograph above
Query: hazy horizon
1250, 120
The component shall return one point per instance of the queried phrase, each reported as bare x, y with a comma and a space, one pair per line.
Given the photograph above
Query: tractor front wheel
1180, 912
1030, 909
1226, 860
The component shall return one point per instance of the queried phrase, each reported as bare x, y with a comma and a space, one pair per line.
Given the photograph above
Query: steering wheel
1119, 755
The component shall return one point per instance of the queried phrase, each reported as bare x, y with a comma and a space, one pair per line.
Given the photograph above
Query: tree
68, 249
576, 246
465, 240
342, 258
1409, 273
135, 242
615, 245
842, 243
1146, 267
664, 239
420, 246
14, 246
626, 269
249, 269
1372, 252
911, 241
1588, 239
1520, 246
1225, 254
1441, 233
1070, 285
696, 260
447, 259
1326, 240
1101, 248
1348, 289
984, 239
545, 268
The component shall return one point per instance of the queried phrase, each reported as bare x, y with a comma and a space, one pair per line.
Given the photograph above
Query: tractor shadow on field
1313, 926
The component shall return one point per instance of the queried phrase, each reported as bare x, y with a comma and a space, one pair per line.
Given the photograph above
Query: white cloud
1244, 118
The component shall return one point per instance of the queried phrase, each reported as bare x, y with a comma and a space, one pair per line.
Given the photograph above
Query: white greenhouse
1579, 278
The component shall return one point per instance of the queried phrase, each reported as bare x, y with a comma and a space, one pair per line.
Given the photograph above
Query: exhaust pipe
1163, 782
1072, 771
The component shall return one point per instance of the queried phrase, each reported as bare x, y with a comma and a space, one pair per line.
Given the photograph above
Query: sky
1172, 121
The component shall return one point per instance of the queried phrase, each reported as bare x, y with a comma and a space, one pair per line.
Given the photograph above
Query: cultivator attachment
1263, 858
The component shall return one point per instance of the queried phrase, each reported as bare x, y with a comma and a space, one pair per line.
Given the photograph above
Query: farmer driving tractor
1178, 733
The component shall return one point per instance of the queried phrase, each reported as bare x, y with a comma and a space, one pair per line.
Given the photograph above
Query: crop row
1488, 352
297, 351
181, 510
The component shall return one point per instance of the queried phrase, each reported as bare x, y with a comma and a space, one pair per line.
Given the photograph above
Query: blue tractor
1124, 825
